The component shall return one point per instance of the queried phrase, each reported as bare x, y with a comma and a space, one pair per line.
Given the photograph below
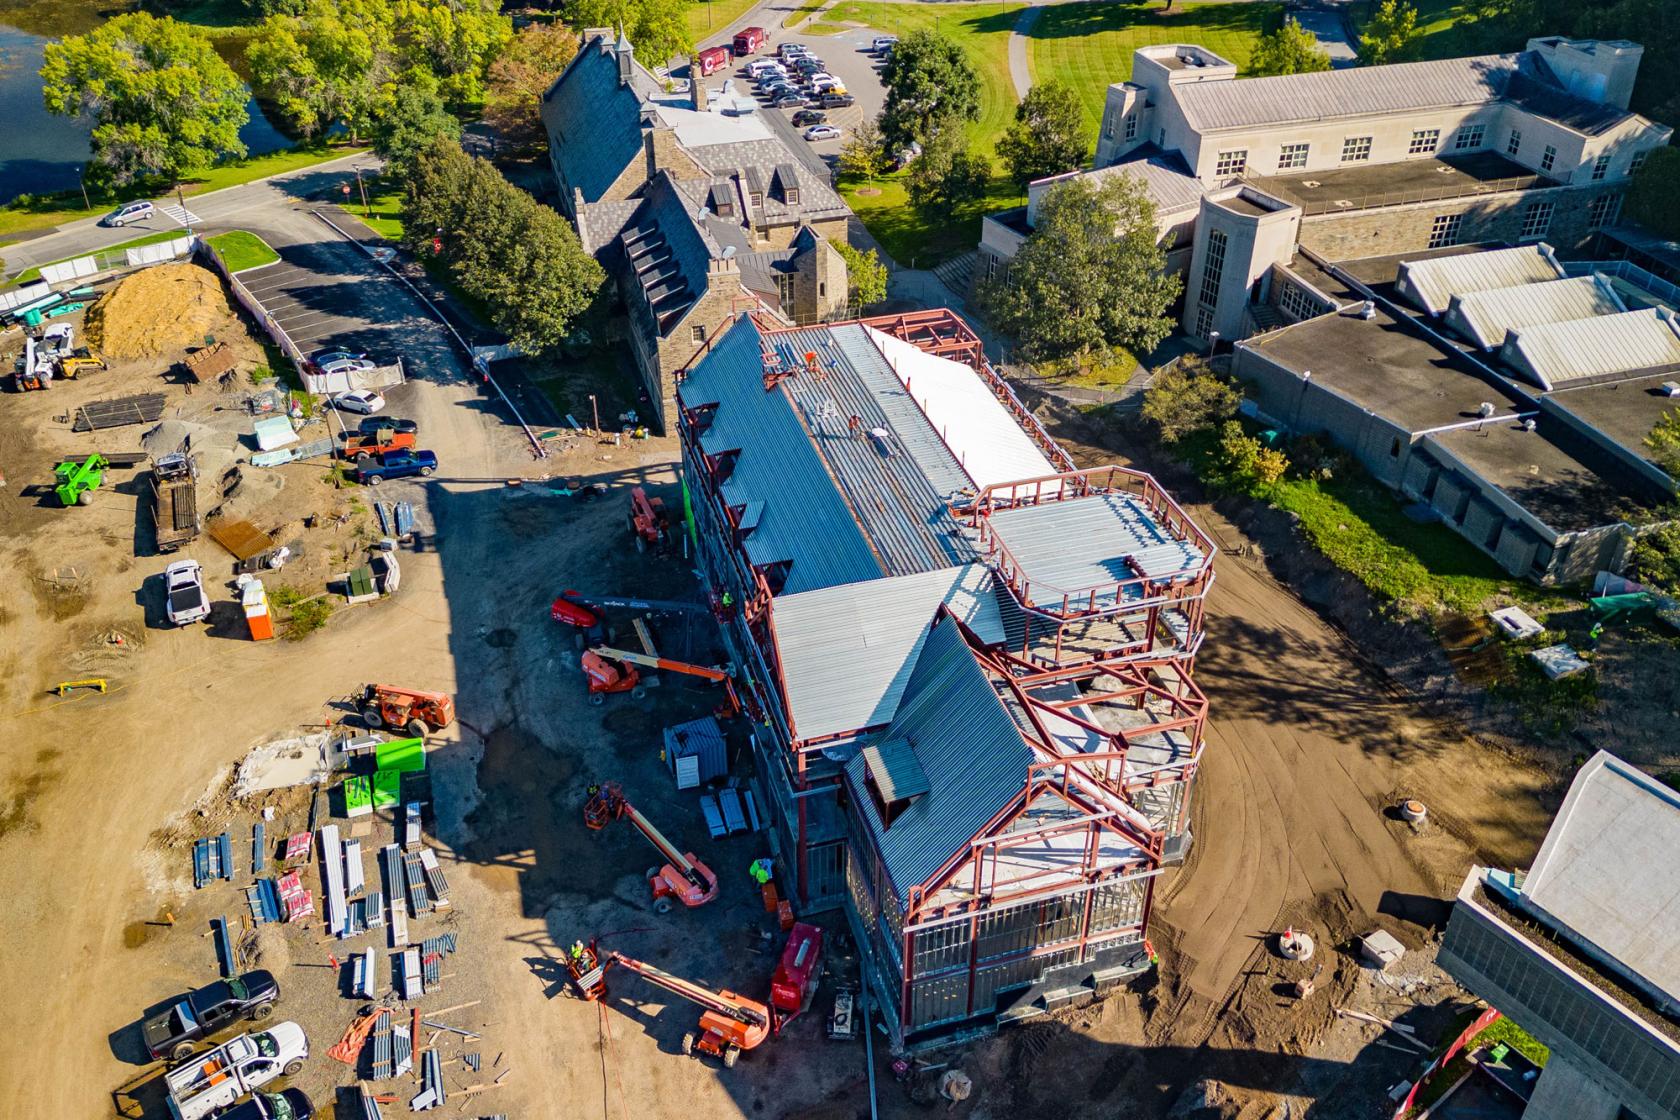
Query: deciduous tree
1390, 33
947, 175
1291, 49
327, 65
454, 39
1654, 198
1048, 136
161, 99
866, 275
1090, 277
414, 119
658, 29
519, 77
1184, 399
929, 80
864, 156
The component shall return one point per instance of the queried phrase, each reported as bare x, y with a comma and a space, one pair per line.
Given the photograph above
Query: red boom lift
648, 523
795, 982
683, 877
729, 1023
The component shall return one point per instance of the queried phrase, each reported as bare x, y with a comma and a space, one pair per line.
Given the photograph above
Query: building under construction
970, 663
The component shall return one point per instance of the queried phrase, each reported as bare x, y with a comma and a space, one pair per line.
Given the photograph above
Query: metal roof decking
805, 520
1556, 354
847, 651
1432, 282
1077, 546
967, 745
1486, 317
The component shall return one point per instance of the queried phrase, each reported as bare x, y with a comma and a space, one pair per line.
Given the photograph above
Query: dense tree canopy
414, 119
501, 246
1389, 34
329, 64
521, 74
1048, 136
658, 29
947, 175
1090, 277
1654, 198
929, 81
161, 101
1291, 49
866, 275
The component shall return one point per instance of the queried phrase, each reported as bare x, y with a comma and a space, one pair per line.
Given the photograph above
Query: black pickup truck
170, 1034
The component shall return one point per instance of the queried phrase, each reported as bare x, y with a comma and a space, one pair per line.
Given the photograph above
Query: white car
762, 65
365, 401
346, 365
822, 132
790, 51
883, 43
184, 594
129, 212
823, 83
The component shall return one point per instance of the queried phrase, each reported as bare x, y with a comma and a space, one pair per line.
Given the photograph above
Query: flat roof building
1583, 949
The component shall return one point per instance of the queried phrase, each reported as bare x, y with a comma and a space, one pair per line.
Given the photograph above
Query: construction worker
760, 871
577, 952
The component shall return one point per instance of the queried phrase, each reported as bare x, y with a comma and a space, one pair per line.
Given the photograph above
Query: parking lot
848, 57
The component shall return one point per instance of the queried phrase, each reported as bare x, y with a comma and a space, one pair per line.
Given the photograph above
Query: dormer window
757, 200
894, 778
723, 200
787, 182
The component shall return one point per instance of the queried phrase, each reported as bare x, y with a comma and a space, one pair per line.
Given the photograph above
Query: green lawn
1447, 29
240, 250
707, 17
46, 211
805, 8
383, 213
29, 274
1089, 46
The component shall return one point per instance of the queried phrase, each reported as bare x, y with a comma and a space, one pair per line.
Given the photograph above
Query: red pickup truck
366, 446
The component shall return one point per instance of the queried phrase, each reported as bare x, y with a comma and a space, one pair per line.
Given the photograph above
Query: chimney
697, 92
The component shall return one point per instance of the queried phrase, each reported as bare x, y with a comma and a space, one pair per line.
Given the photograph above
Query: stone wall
1499, 218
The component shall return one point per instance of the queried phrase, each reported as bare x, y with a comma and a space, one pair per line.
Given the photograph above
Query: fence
112, 260
1372, 200
29, 293
379, 377
255, 309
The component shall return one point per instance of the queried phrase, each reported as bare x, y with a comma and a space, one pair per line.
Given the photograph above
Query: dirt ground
101, 796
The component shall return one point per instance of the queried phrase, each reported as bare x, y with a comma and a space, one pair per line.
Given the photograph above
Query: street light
1213, 342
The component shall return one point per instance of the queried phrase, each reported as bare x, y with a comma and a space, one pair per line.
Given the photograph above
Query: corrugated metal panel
1606, 872
1487, 316
1407, 87
1081, 543
892, 763
1562, 352
980, 433
1169, 186
847, 651
968, 747
805, 520
701, 739
1435, 281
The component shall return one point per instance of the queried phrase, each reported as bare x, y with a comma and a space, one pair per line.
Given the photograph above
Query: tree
947, 176
501, 246
1389, 34
328, 64
1182, 400
519, 77
415, 118
929, 80
454, 39
658, 29
864, 156
1291, 49
161, 99
866, 275
1090, 276
1247, 458
1654, 198
1664, 442
1048, 136
1655, 557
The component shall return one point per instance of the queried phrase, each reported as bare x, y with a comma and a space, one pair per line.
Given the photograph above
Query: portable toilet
257, 619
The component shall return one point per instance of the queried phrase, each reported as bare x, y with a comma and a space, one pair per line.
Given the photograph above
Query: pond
42, 153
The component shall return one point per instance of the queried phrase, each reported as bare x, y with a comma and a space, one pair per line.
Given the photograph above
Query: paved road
223, 209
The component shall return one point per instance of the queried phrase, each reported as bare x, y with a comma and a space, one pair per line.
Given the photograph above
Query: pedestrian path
181, 215
1020, 73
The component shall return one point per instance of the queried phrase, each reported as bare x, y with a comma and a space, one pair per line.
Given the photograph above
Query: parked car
346, 365
128, 212
790, 100
333, 354
792, 50
200, 1014
760, 66
287, 1104
806, 63
834, 99
375, 424
381, 443
882, 43
822, 83
809, 116
184, 594
398, 464
358, 400
204, 1085
822, 132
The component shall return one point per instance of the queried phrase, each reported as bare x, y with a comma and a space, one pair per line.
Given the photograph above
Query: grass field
708, 17
1089, 46
29, 274
46, 211
383, 213
240, 250
805, 8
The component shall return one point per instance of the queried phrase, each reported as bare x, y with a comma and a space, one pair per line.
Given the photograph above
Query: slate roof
967, 747
771, 161
668, 250
593, 122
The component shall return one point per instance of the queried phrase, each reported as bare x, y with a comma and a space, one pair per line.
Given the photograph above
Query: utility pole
81, 180
181, 200
367, 211
595, 408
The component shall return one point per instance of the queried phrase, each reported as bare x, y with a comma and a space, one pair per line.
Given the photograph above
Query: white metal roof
1628, 342
987, 441
847, 651
1485, 317
1431, 283
1170, 188
1408, 87
1609, 870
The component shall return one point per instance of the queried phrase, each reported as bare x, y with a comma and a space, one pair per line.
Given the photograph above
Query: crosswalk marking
181, 215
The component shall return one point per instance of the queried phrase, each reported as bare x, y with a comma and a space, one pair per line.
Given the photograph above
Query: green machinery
76, 481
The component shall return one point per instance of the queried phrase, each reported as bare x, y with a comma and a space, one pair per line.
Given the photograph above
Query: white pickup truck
207, 1083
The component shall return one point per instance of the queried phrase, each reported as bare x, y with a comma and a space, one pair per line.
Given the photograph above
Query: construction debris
432, 1093
117, 412
212, 859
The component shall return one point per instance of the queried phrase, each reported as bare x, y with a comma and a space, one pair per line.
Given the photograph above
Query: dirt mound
160, 309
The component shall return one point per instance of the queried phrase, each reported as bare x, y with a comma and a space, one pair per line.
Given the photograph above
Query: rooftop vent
1485, 410
1311, 183
1368, 309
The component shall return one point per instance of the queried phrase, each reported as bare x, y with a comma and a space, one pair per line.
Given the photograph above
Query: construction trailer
937, 612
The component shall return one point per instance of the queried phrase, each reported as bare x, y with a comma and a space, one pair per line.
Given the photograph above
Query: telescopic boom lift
683, 877
729, 1022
